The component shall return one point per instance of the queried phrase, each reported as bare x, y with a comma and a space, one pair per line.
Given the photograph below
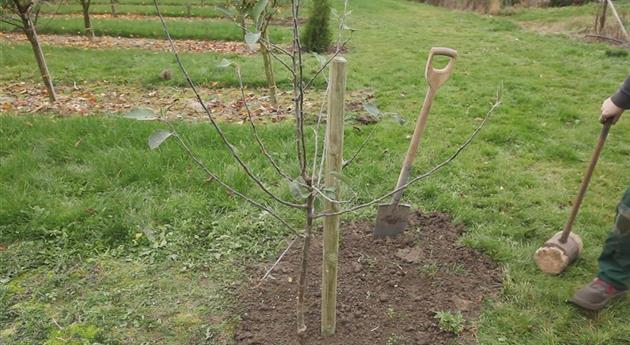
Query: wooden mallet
565, 247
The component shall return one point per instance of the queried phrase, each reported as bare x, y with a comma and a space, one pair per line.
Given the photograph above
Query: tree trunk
87, 21
114, 14
267, 60
600, 18
242, 23
31, 34
301, 305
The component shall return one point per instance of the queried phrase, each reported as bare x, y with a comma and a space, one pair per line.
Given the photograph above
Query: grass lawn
135, 66
146, 10
569, 19
103, 240
221, 30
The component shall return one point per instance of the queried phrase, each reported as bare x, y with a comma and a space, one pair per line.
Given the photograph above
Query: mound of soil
389, 290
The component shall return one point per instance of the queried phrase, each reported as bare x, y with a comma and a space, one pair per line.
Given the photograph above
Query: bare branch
425, 175
316, 130
354, 156
276, 263
227, 187
602, 37
213, 121
255, 131
11, 21
277, 58
325, 65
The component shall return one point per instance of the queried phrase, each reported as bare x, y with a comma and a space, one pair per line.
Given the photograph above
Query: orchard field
104, 241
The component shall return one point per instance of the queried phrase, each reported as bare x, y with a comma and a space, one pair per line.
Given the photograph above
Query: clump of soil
389, 290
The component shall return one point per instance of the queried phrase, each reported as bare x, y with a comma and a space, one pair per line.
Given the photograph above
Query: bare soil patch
108, 42
389, 290
225, 104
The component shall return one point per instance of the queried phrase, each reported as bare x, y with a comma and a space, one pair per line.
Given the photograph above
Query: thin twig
320, 115
275, 56
255, 131
276, 263
612, 39
363, 145
323, 67
212, 120
223, 184
423, 176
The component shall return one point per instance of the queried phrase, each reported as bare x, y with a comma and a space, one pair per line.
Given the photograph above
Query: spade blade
391, 219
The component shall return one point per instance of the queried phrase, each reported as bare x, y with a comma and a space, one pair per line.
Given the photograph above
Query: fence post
334, 161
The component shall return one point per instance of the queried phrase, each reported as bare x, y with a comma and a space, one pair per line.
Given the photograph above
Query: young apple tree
315, 176
21, 14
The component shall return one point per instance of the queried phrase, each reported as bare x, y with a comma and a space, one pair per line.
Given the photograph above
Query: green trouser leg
614, 263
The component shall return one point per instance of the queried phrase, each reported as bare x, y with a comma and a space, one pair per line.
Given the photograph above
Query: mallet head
554, 257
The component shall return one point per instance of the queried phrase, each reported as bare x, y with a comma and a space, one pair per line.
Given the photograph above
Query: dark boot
596, 295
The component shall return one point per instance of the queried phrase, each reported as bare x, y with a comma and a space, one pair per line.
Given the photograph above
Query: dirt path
107, 42
226, 104
389, 290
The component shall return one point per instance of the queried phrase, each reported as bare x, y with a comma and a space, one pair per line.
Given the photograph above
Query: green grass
89, 226
167, 2
572, 18
221, 30
135, 66
166, 10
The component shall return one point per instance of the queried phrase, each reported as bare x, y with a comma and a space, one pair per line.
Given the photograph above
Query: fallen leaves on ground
225, 104
108, 42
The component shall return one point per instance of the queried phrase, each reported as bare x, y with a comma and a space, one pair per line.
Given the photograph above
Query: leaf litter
109, 42
225, 104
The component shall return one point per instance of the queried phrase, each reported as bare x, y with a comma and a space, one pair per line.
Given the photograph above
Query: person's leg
613, 278
614, 263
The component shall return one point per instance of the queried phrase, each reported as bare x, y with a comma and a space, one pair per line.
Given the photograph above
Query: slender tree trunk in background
114, 14
600, 18
242, 23
271, 80
87, 22
31, 34
621, 24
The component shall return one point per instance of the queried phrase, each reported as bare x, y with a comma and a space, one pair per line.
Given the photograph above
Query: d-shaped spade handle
437, 77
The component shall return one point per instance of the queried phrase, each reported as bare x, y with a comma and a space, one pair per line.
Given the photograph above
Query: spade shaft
421, 124
391, 218
585, 182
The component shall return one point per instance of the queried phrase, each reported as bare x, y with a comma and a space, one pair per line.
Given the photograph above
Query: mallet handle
587, 179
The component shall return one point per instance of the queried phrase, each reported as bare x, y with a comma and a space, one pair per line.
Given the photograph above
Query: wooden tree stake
334, 161
614, 12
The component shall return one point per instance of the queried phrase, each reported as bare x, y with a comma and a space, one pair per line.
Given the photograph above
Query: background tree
317, 35
239, 11
20, 13
87, 21
263, 14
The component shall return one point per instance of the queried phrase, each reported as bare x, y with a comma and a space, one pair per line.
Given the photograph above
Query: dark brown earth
389, 290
